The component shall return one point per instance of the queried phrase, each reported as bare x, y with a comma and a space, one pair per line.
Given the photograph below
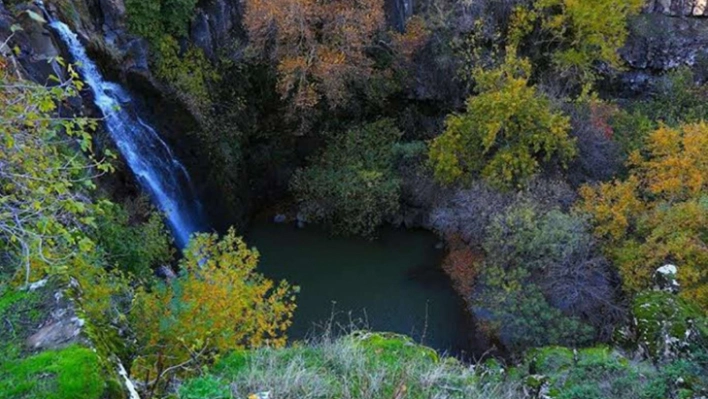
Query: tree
134, 247
505, 134
319, 47
659, 213
47, 168
575, 35
218, 303
152, 19
49, 205
352, 186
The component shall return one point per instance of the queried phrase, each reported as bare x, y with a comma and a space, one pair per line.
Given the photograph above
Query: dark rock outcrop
695, 8
661, 39
25, 36
216, 28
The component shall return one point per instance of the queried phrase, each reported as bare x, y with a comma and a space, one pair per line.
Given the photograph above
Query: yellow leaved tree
506, 133
659, 214
218, 303
575, 35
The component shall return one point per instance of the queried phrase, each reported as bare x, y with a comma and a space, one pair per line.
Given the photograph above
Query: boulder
61, 326
664, 327
56, 334
665, 279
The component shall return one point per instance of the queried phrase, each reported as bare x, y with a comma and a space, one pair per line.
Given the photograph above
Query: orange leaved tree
319, 47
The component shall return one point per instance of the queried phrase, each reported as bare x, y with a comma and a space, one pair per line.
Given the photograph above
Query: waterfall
157, 169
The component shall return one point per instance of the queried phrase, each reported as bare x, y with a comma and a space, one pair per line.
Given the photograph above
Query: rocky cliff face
216, 28
102, 27
670, 34
695, 8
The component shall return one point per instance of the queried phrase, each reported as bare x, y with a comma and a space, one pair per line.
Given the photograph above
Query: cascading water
147, 155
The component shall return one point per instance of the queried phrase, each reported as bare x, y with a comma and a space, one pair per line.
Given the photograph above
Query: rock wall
216, 28
101, 26
669, 34
695, 8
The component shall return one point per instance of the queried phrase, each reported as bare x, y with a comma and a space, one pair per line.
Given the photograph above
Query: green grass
70, 373
360, 365
390, 366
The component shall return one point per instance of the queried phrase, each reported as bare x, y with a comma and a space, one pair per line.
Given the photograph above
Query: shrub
134, 248
507, 131
542, 280
676, 100
468, 212
218, 303
352, 186
601, 372
190, 73
599, 153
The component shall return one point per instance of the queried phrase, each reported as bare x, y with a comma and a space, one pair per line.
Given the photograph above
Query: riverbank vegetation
574, 216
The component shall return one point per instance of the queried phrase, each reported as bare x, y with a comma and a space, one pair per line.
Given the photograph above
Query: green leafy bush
677, 99
543, 281
603, 373
189, 72
154, 18
135, 248
505, 134
352, 186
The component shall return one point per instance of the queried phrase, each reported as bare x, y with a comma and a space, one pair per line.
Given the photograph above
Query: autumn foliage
218, 303
659, 214
460, 264
575, 35
506, 133
318, 46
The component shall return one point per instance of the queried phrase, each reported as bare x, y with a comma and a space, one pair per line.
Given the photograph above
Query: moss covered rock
665, 326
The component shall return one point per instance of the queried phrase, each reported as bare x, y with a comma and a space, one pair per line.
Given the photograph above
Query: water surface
390, 284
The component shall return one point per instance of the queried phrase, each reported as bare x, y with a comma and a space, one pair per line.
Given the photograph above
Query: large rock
113, 14
398, 12
200, 33
666, 327
32, 46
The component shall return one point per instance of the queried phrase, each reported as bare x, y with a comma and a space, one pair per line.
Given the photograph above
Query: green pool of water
391, 284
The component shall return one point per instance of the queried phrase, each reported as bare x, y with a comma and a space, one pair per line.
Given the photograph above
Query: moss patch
70, 373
